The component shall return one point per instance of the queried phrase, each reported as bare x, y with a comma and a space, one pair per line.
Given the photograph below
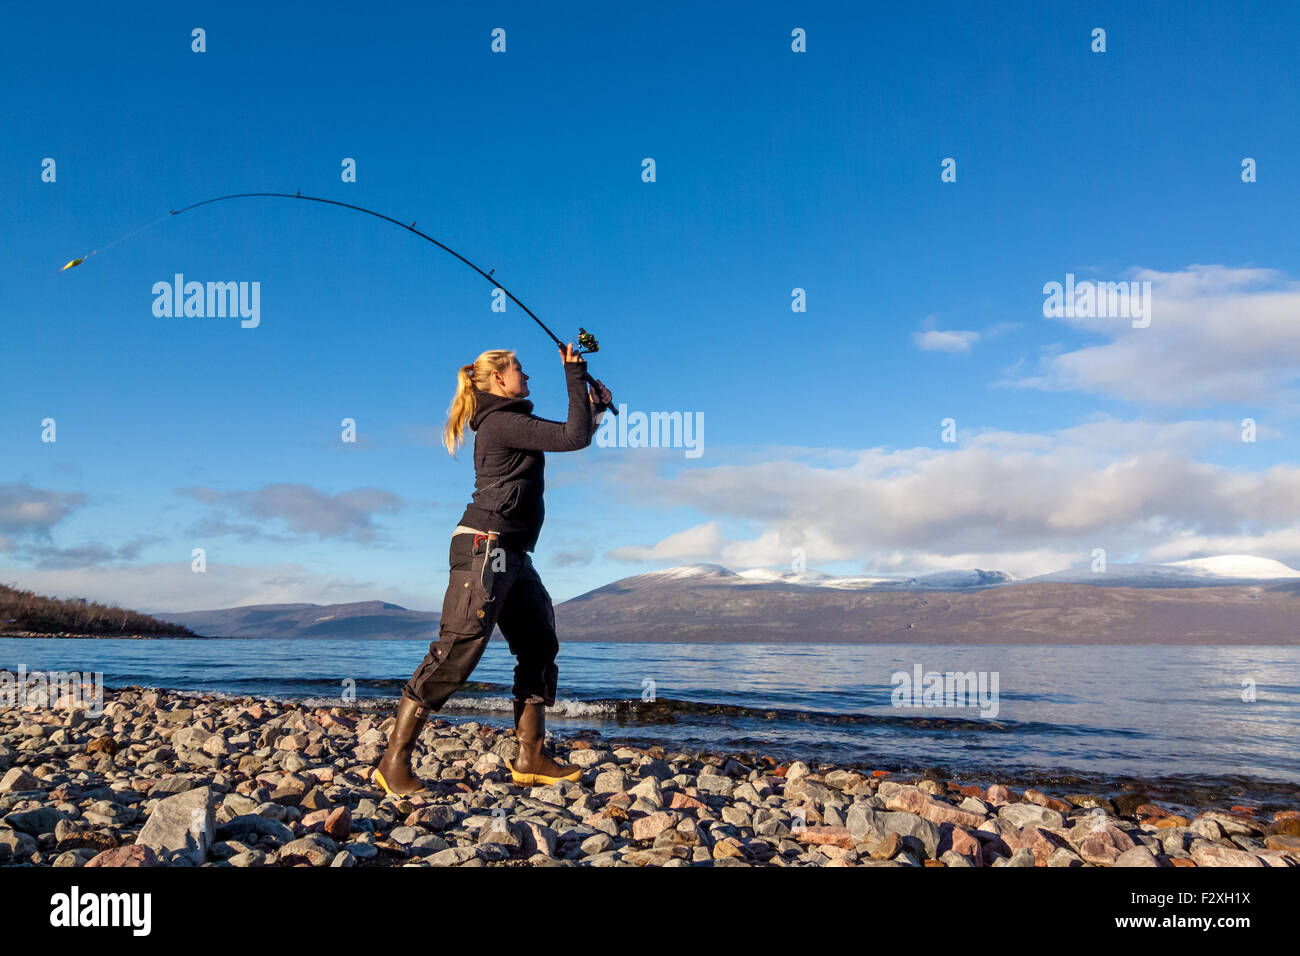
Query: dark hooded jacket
509, 442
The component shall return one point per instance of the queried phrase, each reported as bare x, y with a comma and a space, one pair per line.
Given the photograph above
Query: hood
485, 403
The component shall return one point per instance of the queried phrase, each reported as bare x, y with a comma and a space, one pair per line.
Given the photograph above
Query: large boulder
181, 828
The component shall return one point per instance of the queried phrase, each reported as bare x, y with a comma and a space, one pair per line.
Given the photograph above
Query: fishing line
586, 341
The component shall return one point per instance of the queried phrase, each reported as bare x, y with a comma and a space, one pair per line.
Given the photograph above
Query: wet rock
1126, 804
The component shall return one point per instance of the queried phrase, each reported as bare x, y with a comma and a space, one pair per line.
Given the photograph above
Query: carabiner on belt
491, 538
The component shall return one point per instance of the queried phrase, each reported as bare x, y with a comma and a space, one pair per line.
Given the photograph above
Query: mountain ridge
1200, 601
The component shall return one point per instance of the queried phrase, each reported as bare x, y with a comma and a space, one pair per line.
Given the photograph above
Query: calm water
1112, 712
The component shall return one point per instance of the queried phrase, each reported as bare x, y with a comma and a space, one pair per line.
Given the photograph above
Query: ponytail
471, 378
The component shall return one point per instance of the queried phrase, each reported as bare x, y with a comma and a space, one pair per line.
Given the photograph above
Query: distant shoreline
33, 635
892, 640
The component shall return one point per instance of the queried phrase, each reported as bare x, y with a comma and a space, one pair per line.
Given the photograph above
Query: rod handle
587, 377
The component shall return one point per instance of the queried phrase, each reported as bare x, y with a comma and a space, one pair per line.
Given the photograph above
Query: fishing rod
586, 341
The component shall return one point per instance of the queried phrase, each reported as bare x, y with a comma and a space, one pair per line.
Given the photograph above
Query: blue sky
775, 170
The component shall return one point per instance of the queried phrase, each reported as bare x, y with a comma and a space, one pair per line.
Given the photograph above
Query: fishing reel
586, 344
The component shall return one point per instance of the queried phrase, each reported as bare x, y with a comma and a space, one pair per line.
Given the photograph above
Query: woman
493, 582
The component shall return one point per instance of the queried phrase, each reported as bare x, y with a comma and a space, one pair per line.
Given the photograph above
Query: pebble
163, 778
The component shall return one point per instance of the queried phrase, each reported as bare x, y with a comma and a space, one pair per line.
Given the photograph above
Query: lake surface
1168, 714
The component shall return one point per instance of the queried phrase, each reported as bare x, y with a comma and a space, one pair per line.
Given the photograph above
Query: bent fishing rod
586, 341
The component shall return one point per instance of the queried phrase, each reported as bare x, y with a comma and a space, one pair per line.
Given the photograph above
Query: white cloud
936, 340
25, 510
173, 586
1024, 503
681, 546
1217, 334
302, 508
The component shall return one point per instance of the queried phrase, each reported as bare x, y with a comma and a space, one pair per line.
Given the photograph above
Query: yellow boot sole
379, 779
539, 779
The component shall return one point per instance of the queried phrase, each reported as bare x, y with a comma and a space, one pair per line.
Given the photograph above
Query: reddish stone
65, 791
933, 863
911, 800
1103, 847
315, 821
960, 841
1041, 799
1212, 854
999, 795
1173, 820
1181, 861
827, 836
133, 855
1250, 811
652, 824
681, 801
1287, 844
880, 773
1040, 841
972, 790
1286, 815
1149, 811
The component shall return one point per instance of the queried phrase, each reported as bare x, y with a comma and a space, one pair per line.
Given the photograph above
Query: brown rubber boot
533, 766
394, 770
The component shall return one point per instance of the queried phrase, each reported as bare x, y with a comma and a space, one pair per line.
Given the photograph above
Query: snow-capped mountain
1227, 600
1196, 572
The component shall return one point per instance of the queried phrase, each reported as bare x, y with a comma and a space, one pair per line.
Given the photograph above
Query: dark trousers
490, 588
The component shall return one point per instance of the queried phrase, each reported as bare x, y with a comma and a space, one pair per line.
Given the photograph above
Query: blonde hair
476, 375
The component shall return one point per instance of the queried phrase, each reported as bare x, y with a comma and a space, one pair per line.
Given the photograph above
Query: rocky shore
161, 778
